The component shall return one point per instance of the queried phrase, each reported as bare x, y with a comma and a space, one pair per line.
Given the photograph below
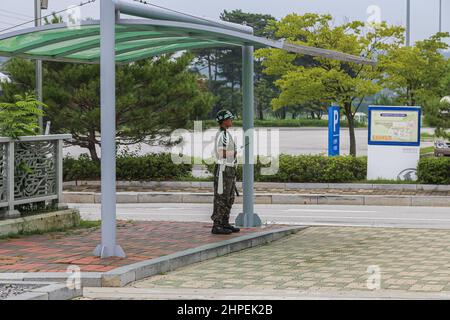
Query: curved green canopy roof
135, 39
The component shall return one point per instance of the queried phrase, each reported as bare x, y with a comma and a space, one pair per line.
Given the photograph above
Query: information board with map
394, 126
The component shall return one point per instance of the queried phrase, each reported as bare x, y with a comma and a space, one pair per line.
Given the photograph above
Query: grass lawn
424, 136
427, 151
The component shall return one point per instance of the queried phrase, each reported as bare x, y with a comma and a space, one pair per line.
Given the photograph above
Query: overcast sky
424, 12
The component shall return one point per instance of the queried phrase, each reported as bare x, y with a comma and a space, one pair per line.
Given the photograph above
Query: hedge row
152, 167
321, 169
432, 170
303, 168
313, 169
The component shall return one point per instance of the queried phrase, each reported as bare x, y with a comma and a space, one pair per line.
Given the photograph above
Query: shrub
434, 170
151, 167
82, 168
155, 167
312, 169
20, 118
319, 169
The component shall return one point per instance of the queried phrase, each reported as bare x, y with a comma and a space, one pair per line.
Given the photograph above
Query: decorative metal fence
30, 171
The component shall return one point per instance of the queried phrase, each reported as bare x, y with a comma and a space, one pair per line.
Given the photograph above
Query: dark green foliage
151, 167
154, 97
223, 67
438, 116
313, 169
303, 169
434, 170
20, 118
82, 168
36, 208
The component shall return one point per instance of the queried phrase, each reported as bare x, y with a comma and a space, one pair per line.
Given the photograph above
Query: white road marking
162, 208
165, 214
363, 218
324, 210
294, 216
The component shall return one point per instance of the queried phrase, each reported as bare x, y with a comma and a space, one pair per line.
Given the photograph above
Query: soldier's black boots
220, 230
230, 227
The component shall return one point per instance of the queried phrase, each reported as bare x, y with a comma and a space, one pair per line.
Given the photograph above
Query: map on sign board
394, 126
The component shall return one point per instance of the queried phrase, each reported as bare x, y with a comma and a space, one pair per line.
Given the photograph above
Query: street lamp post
408, 22
440, 15
38, 6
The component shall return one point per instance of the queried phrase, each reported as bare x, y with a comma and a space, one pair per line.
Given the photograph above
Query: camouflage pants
223, 202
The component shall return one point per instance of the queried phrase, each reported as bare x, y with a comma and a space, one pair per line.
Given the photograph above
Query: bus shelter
151, 32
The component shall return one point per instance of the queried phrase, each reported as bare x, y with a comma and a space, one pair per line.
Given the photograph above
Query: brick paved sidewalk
141, 240
326, 259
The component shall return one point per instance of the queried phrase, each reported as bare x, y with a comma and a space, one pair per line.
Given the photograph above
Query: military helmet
223, 115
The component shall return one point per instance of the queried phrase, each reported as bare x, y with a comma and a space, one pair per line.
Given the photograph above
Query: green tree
224, 66
420, 75
154, 97
230, 61
438, 116
265, 91
325, 81
416, 73
54, 19
20, 118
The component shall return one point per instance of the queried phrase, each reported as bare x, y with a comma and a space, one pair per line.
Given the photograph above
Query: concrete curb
271, 185
46, 291
122, 276
88, 279
40, 222
266, 198
267, 294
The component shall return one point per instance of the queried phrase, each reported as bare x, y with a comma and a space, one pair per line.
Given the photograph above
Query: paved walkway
141, 240
324, 259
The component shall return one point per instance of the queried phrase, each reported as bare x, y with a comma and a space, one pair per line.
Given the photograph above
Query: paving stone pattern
326, 258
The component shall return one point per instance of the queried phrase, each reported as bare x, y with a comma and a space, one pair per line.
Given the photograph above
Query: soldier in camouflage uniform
224, 175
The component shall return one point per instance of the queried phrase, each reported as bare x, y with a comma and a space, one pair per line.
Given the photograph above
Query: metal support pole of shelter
108, 246
38, 76
248, 218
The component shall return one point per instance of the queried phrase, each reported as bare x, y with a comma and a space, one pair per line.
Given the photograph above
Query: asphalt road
313, 215
293, 141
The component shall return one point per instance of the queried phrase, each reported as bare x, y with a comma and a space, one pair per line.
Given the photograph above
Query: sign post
334, 131
394, 143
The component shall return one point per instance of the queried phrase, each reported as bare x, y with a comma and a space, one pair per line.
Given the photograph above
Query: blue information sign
394, 126
334, 129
